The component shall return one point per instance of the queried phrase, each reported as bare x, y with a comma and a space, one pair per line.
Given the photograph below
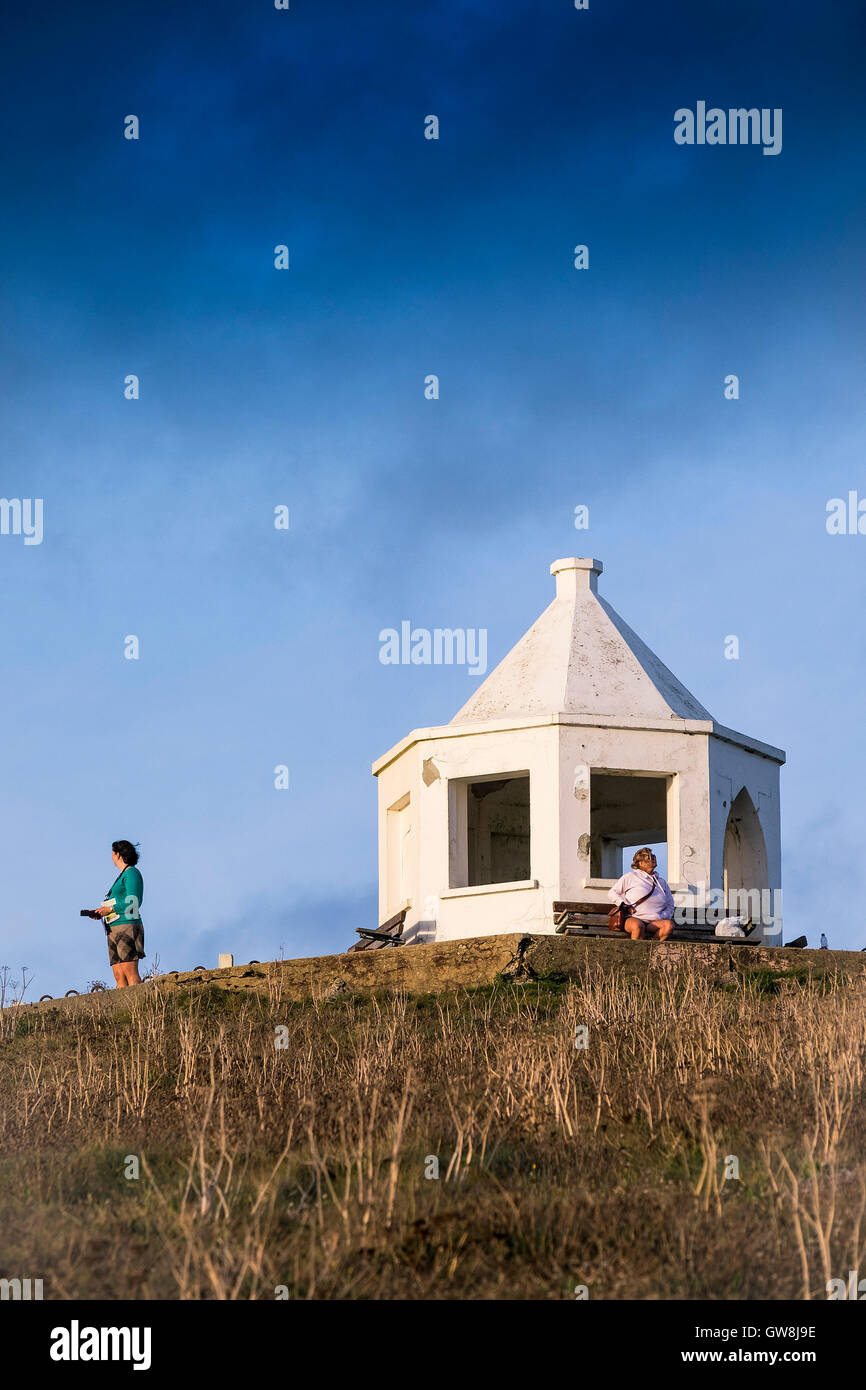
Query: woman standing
121, 914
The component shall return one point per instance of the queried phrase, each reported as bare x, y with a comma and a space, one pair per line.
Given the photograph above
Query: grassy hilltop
559, 1165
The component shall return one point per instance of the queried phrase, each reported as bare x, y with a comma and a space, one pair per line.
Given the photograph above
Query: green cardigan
125, 895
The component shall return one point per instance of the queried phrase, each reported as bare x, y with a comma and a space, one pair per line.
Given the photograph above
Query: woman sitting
648, 897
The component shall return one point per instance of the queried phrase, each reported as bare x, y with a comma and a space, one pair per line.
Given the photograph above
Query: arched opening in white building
745, 858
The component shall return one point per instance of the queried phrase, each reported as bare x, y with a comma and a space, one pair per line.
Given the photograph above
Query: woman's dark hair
127, 852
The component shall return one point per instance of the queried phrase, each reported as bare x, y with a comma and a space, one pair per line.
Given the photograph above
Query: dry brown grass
558, 1166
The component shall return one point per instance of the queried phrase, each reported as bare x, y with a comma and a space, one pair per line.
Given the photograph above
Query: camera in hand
89, 912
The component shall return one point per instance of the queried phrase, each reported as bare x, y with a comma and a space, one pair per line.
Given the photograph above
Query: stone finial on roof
572, 575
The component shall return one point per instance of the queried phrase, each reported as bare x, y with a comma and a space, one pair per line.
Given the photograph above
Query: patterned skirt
125, 942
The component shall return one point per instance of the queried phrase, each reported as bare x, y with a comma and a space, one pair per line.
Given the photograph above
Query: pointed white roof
580, 657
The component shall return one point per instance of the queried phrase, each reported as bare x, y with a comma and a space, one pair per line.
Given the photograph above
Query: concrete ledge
464, 964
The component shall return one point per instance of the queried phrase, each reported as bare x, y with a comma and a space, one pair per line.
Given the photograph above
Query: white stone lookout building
578, 747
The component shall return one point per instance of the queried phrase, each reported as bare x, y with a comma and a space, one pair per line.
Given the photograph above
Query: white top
658, 907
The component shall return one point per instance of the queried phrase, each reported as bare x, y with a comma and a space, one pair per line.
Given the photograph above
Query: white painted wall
438, 910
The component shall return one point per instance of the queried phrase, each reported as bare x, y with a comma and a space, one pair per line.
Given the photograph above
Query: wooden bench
591, 919
389, 934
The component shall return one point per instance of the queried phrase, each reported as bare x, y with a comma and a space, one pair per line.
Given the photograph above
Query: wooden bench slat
586, 919
388, 934
679, 934
396, 921
373, 943
584, 905
591, 918
709, 932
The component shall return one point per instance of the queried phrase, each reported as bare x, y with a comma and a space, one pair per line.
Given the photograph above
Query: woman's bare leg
661, 929
634, 927
126, 974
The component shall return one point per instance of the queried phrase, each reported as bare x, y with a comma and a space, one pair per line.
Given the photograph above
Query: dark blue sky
260, 387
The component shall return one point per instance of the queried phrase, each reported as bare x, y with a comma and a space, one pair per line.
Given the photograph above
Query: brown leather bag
617, 916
